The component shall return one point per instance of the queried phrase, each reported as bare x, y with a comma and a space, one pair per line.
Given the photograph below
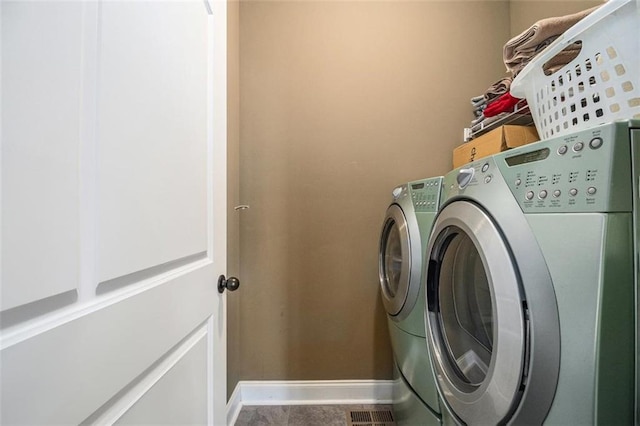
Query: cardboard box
497, 140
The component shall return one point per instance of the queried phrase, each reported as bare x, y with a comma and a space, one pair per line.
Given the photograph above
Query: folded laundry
561, 59
518, 51
497, 89
490, 96
523, 56
504, 103
494, 95
478, 101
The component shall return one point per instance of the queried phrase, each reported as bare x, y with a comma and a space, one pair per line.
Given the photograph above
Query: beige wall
339, 102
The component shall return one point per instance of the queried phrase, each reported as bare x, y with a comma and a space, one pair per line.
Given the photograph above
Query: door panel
113, 204
41, 46
179, 396
88, 360
152, 89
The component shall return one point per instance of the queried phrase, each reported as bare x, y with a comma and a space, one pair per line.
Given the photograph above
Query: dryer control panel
425, 194
588, 171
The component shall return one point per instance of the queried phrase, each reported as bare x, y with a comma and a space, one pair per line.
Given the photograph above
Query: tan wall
339, 102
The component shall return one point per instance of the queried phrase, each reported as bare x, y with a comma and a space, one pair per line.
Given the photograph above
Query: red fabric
504, 103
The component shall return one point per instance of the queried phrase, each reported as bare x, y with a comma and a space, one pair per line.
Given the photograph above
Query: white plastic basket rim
518, 87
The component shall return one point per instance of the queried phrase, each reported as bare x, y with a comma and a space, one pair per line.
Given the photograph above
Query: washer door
475, 316
399, 272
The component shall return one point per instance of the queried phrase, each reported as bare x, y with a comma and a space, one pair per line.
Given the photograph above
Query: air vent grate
382, 416
360, 416
370, 418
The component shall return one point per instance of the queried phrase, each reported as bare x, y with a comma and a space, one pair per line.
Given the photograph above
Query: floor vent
370, 418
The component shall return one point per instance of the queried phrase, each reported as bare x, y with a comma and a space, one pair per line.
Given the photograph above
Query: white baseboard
234, 405
320, 392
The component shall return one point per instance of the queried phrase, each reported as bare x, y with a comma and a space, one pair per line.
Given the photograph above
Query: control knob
464, 177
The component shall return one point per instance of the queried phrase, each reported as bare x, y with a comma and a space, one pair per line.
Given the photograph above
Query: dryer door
399, 263
475, 316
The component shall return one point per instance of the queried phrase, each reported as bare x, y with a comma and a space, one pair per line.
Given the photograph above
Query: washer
530, 286
405, 232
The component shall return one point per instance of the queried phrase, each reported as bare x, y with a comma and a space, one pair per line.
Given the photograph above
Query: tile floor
301, 415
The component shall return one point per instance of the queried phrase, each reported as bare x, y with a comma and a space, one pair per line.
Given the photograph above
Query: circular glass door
465, 309
475, 315
398, 271
391, 258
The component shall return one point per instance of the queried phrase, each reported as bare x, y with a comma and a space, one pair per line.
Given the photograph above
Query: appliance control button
464, 177
488, 178
557, 193
577, 147
573, 192
542, 194
518, 182
595, 143
562, 150
485, 167
591, 190
529, 195
397, 191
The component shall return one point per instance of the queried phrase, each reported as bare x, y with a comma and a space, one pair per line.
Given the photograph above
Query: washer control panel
425, 194
588, 171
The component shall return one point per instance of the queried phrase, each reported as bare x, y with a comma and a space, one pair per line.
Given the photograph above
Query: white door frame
218, 143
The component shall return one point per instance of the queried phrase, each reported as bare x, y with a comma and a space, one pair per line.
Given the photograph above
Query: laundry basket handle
518, 88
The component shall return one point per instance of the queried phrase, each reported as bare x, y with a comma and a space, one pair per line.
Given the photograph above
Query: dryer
530, 287
403, 239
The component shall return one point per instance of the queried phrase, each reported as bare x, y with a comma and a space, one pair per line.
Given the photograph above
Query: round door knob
231, 284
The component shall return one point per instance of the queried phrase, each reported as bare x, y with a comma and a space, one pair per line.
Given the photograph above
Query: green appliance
531, 286
403, 239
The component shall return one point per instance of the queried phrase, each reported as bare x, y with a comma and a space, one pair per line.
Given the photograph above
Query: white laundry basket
601, 84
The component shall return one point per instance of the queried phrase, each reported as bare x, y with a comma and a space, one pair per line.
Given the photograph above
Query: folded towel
562, 58
559, 60
524, 46
504, 103
525, 55
497, 89
478, 102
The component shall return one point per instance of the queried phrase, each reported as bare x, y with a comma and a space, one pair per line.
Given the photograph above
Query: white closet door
113, 197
